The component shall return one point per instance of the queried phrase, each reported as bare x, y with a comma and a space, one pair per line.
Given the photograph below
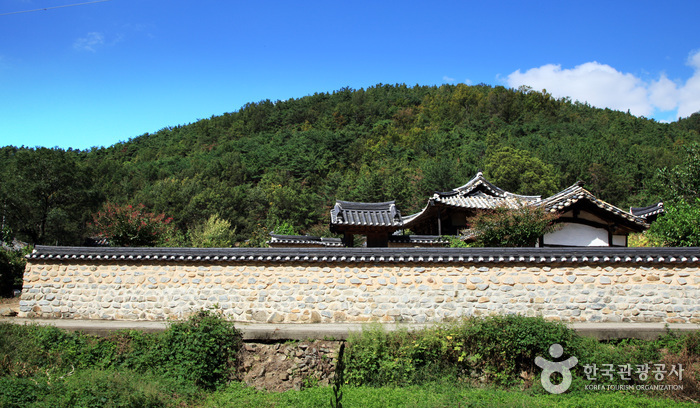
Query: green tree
214, 233
45, 196
12, 263
289, 160
439, 175
511, 227
287, 200
679, 226
682, 182
519, 172
285, 228
680, 189
131, 226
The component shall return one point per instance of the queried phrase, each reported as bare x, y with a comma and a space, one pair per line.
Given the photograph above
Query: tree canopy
276, 162
679, 187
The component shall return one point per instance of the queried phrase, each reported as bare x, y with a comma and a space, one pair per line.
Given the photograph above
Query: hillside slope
285, 162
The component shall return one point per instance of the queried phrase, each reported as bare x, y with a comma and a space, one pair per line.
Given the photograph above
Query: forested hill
285, 162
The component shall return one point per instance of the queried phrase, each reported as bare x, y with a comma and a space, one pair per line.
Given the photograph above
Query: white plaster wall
571, 234
619, 240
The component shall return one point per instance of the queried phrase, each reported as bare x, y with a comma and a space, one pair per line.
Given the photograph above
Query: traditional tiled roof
649, 211
478, 194
407, 220
479, 256
575, 193
303, 240
418, 239
478, 200
479, 183
366, 214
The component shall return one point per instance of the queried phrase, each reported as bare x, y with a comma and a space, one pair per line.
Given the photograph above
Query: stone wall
386, 285
285, 366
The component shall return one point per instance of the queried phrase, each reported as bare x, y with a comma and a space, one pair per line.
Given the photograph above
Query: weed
338, 379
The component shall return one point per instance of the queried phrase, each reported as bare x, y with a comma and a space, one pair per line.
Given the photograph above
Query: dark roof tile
366, 214
645, 212
303, 240
575, 193
574, 255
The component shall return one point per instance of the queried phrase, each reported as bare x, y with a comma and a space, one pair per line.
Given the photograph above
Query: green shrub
202, 349
105, 389
25, 350
377, 357
12, 263
21, 392
679, 226
501, 350
495, 349
93, 388
691, 343
502, 347
511, 227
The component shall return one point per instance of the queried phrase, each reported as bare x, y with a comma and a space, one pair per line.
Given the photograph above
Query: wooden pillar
348, 240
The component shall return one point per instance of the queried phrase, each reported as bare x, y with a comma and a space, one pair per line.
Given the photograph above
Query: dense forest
281, 165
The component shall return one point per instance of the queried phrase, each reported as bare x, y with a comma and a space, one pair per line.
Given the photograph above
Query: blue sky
99, 73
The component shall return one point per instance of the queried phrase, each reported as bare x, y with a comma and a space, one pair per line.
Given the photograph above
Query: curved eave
649, 211
480, 181
410, 220
575, 195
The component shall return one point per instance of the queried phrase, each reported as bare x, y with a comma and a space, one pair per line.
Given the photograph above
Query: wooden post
348, 240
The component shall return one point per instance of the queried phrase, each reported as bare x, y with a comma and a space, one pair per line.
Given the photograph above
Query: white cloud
605, 87
598, 84
664, 93
91, 42
447, 79
689, 98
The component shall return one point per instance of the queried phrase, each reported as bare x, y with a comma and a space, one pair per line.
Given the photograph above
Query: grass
108, 388
430, 395
473, 363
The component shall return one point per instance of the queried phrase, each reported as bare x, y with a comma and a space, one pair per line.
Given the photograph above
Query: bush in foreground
496, 350
501, 350
200, 351
193, 360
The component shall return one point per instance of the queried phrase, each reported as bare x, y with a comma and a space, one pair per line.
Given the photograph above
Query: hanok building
584, 219
650, 213
446, 213
379, 222
588, 221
